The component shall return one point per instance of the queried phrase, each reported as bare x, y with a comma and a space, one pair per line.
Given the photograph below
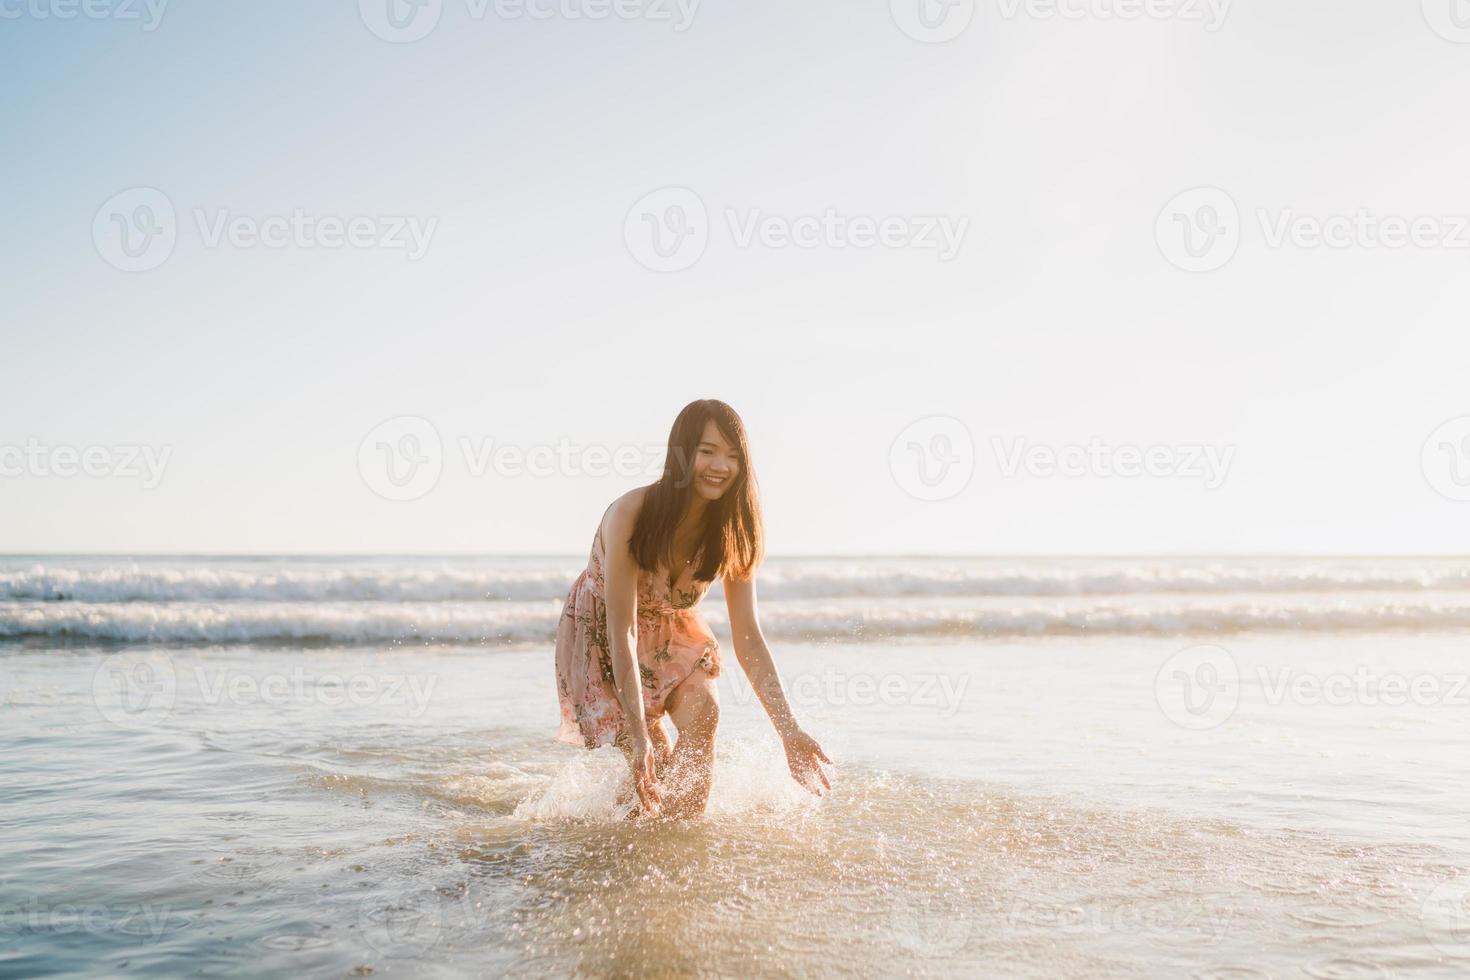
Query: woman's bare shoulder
622, 515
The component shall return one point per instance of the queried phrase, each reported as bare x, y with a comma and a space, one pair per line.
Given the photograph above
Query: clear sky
1052, 148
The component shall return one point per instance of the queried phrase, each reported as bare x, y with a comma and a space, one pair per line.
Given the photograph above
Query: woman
631, 646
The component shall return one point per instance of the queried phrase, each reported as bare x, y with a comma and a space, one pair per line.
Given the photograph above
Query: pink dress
673, 642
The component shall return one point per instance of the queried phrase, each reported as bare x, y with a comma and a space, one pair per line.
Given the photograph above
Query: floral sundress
673, 641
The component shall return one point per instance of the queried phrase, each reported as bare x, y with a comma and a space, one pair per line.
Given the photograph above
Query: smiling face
716, 463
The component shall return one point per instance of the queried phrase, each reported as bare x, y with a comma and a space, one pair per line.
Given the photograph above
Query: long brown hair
734, 534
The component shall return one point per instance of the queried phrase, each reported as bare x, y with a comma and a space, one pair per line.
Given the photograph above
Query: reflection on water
897, 876
299, 841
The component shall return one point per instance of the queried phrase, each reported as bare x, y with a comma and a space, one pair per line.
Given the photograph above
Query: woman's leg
695, 708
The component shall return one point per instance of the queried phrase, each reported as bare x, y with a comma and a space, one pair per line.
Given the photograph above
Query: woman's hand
645, 776
802, 753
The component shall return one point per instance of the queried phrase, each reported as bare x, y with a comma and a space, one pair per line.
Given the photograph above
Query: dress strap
600, 521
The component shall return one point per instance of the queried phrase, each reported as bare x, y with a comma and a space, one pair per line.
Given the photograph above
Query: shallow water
1025, 807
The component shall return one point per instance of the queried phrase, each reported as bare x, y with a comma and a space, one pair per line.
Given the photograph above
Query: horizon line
258, 555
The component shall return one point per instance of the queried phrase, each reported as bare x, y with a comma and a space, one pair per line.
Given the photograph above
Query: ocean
338, 766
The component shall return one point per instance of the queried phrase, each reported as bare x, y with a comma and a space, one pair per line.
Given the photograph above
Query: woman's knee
696, 706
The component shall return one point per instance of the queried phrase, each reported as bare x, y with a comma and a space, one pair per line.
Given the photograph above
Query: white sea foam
504, 623
470, 580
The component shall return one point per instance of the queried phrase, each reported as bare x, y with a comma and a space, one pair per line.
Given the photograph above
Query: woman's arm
802, 751
620, 581
755, 657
